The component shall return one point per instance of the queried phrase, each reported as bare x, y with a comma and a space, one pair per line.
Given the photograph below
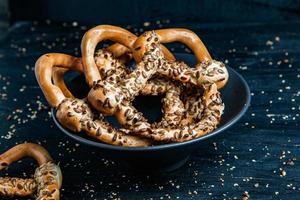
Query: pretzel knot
47, 179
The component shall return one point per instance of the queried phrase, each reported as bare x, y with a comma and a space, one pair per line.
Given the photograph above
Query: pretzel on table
47, 179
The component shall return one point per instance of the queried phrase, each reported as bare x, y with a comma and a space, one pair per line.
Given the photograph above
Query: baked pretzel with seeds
212, 111
74, 113
47, 179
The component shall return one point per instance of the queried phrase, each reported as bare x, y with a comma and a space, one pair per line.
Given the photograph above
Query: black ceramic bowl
235, 95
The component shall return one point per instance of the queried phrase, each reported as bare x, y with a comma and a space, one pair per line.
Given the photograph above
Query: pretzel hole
102, 45
150, 106
76, 84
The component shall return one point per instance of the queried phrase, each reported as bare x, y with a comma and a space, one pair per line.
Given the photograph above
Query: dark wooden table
259, 154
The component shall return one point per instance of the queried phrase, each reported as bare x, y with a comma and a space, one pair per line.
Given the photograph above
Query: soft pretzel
47, 178
76, 114
207, 70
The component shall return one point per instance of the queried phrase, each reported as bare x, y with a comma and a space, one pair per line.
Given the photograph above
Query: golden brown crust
20, 151
103, 95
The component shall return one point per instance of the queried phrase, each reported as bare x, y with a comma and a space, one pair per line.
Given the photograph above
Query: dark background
137, 11
260, 39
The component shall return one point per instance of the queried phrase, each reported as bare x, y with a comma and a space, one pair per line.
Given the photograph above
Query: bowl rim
162, 146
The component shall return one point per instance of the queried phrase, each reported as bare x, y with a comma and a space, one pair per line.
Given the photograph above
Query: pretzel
207, 70
74, 113
193, 107
47, 178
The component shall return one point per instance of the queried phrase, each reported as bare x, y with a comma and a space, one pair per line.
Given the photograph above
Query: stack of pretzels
191, 103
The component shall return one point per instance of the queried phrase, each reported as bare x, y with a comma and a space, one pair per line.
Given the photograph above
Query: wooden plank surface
259, 154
